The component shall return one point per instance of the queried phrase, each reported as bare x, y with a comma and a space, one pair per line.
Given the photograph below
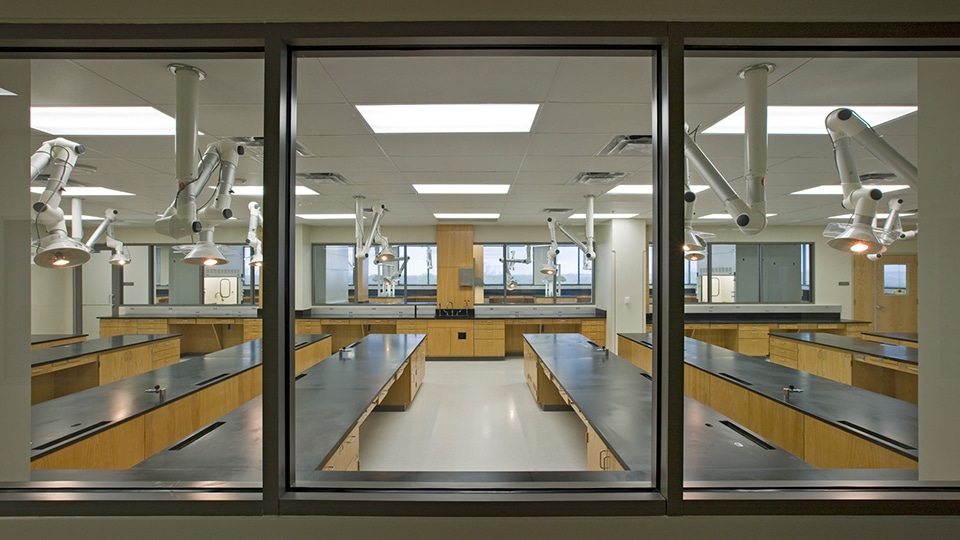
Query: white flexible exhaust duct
750, 214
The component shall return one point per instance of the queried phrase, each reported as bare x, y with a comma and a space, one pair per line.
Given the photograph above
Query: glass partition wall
158, 157
733, 439
818, 402
465, 206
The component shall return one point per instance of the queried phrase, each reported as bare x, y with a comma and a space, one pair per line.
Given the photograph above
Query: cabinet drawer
489, 333
761, 327
40, 370
753, 334
488, 347
786, 344
723, 326
783, 353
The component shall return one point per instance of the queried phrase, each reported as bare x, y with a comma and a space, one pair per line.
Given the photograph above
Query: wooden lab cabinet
453, 338
65, 377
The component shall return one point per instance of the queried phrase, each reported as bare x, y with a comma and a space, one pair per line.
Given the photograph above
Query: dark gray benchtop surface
48, 355
36, 339
62, 421
231, 453
900, 353
890, 422
902, 336
330, 398
616, 398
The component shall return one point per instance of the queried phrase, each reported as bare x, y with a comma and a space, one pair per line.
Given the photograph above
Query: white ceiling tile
330, 119
585, 102
616, 79
455, 144
610, 118
341, 145
464, 163
443, 79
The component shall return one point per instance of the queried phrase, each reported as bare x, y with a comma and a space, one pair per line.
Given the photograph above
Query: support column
15, 273
939, 190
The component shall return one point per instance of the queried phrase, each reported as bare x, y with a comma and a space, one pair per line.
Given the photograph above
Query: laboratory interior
473, 256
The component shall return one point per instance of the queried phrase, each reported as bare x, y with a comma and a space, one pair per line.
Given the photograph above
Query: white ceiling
585, 102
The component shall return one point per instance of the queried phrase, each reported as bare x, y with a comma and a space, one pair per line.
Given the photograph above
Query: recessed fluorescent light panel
803, 120
450, 118
467, 216
5, 92
645, 189
604, 216
101, 121
254, 191
327, 216
879, 216
84, 191
69, 217
723, 216
462, 189
836, 189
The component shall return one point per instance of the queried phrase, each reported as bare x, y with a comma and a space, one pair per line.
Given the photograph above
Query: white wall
629, 240
51, 300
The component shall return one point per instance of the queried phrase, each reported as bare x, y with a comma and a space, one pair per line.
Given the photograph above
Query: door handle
880, 308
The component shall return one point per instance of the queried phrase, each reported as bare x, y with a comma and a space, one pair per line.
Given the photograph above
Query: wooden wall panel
454, 251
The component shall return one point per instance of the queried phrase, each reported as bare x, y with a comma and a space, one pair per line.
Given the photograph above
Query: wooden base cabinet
62, 378
599, 457
804, 436
198, 335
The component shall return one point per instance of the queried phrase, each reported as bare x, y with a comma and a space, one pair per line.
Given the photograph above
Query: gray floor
473, 416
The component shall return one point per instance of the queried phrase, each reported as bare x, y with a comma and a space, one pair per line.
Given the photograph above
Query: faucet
790, 390
161, 392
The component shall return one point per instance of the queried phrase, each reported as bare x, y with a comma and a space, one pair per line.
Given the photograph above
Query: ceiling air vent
257, 143
324, 178
877, 176
628, 145
597, 178
557, 210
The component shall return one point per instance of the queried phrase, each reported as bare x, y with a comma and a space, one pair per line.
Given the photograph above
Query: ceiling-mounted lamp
512, 285
121, 257
858, 238
550, 265
205, 253
387, 252
57, 250
692, 242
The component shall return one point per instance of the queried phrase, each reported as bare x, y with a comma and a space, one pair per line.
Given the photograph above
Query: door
886, 292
